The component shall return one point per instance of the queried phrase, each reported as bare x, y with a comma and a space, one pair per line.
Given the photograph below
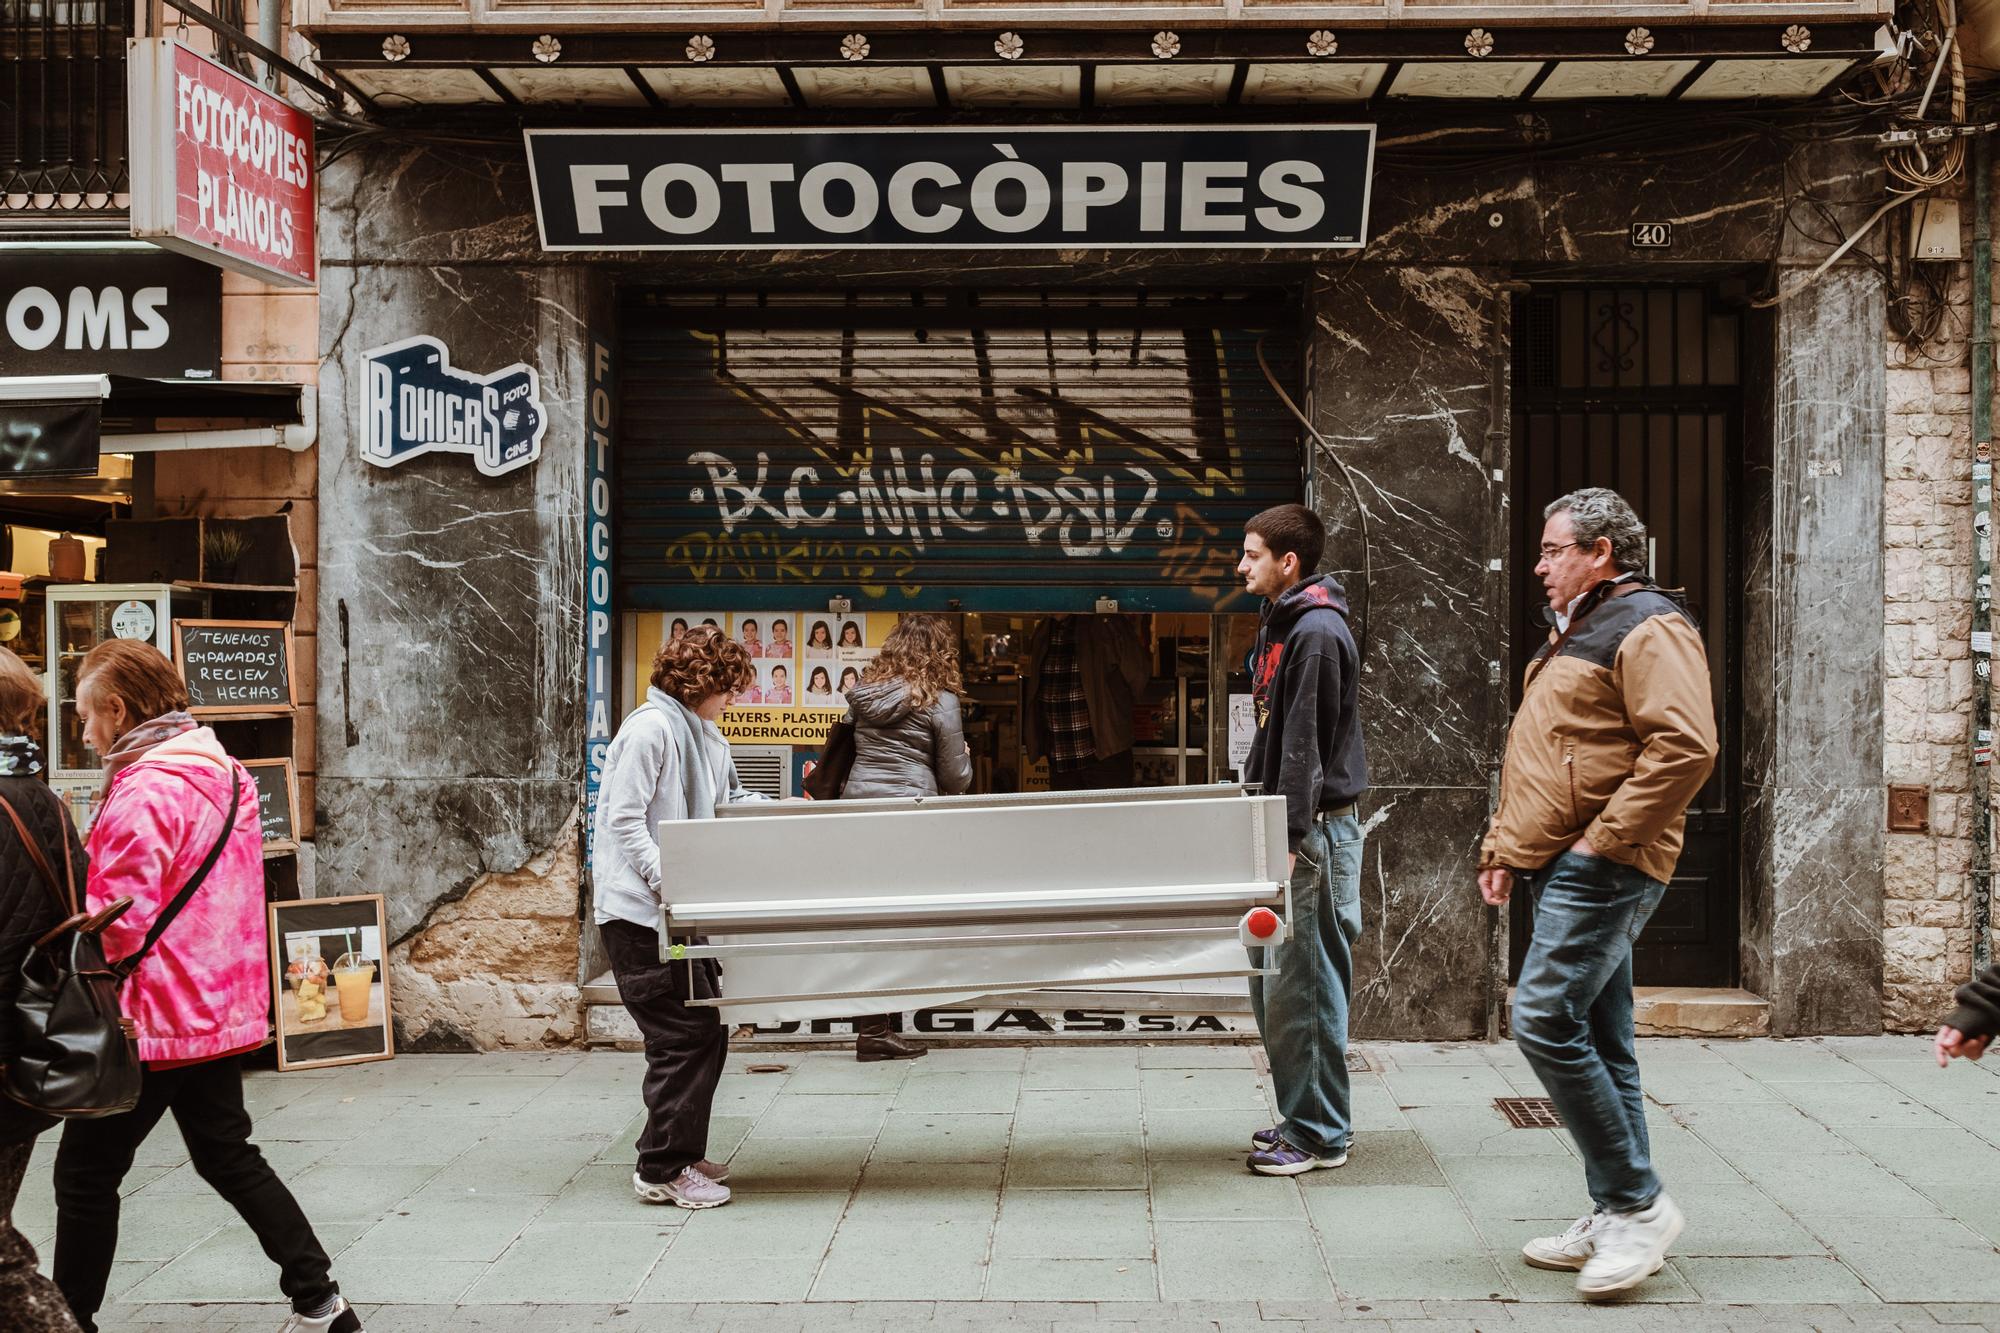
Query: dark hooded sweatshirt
1304, 679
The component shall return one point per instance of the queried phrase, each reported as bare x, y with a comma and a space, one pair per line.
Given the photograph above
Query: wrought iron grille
62, 106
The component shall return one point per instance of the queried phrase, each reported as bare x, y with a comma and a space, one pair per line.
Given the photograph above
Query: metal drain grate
1529, 1112
1360, 1062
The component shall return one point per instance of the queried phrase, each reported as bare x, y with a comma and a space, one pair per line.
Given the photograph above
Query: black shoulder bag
836, 761
76, 1053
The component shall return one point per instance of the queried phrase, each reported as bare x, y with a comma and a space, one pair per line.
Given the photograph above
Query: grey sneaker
1568, 1252
1630, 1248
689, 1189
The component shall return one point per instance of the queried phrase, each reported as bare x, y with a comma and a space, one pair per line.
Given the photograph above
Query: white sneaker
1567, 1252
1629, 1248
340, 1319
689, 1189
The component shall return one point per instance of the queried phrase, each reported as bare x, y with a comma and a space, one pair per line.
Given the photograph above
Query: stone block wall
1928, 680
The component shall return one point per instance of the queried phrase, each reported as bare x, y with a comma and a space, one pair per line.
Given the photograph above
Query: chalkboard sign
235, 666
277, 800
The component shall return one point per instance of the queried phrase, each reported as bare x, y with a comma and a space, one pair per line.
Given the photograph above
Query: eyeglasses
1551, 552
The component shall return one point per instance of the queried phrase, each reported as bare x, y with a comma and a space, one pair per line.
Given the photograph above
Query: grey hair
1596, 512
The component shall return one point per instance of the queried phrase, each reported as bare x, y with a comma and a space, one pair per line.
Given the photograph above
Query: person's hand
1952, 1045
1291, 863
1582, 847
1496, 885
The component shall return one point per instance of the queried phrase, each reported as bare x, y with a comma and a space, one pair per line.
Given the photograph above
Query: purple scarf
143, 738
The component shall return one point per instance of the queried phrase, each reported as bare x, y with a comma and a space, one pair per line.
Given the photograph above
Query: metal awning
399, 62
143, 406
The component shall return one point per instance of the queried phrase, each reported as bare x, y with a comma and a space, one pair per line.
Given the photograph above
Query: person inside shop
781, 640
819, 643
29, 1302
909, 740
819, 689
179, 811
780, 692
1084, 675
669, 760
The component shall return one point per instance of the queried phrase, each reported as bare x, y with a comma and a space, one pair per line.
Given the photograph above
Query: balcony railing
62, 107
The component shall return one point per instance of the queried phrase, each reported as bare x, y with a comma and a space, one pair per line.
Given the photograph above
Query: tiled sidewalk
1836, 1174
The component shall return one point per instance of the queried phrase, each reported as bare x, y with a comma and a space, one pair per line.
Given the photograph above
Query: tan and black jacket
1614, 736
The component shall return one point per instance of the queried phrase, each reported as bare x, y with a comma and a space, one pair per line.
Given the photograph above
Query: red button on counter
1262, 922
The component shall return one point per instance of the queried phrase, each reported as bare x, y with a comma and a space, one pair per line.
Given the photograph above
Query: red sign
221, 169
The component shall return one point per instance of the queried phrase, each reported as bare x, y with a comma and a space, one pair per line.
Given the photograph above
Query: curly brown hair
700, 664
921, 652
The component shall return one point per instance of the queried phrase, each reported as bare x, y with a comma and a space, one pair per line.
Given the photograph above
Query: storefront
803, 467
818, 428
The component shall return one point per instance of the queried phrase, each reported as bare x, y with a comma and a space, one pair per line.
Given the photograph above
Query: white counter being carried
830, 909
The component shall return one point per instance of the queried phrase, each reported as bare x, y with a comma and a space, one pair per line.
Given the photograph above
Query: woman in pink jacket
200, 998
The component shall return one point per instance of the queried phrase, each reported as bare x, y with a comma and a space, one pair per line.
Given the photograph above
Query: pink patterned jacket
205, 989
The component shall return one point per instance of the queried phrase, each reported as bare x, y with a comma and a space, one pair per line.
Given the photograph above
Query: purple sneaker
1266, 1139
1285, 1160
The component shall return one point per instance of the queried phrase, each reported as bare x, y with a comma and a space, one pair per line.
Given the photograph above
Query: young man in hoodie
1305, 684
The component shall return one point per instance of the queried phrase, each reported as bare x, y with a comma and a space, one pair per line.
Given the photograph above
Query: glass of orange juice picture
353, 977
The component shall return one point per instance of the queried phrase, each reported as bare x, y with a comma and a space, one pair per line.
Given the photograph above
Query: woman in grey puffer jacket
908, 741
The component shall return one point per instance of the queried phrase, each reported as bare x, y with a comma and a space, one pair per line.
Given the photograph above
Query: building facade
160, 409
1599, 249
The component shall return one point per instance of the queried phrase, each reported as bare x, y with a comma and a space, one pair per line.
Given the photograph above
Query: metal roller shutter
995, 451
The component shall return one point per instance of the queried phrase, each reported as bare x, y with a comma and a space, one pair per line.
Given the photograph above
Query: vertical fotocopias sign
597, 584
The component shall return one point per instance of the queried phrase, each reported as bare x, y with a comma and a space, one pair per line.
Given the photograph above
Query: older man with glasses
1614, 736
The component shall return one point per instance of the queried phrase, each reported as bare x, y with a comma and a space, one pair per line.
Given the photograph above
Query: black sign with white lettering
277, 808
56, 438
1015, 188
148, 314
235, 666
1652, 235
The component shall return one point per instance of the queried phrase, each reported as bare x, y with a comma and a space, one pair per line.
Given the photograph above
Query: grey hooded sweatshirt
900, 750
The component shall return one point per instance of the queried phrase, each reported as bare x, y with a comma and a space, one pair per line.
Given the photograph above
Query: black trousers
1097, 775
207, 1103
29, 1302
684, 1046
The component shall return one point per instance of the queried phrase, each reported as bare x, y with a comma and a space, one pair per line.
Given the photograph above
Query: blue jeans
1573, 1018
1302, 1011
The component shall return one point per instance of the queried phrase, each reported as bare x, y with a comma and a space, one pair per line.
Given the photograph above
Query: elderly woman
668, 761
176, 806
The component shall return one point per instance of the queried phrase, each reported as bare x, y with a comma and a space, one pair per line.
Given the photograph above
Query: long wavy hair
922, 653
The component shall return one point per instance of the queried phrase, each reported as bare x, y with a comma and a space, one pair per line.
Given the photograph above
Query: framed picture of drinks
330, 987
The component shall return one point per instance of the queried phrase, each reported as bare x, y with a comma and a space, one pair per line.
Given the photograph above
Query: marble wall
451, 732
451, 603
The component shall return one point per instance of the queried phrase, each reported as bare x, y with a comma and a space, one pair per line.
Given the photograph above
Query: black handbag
836, 761
76, 1053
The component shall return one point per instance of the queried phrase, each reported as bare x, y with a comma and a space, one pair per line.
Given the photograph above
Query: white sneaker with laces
1629, 1248
1567, 1252
689, 1189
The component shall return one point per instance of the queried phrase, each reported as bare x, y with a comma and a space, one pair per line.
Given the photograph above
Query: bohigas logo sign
221, 169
